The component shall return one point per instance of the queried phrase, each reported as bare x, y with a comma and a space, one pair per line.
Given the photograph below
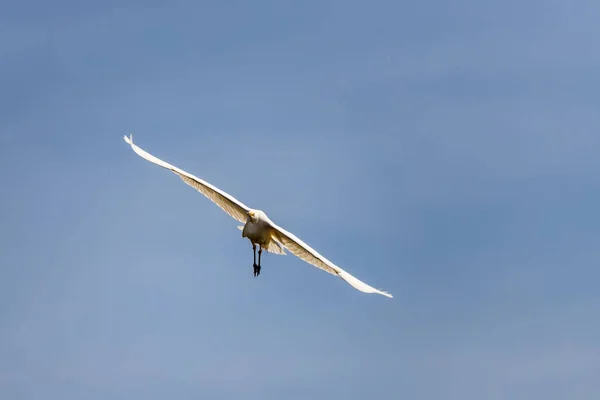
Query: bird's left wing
228, 203
311, 256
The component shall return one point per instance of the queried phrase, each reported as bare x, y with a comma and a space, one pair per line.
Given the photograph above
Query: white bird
258, 228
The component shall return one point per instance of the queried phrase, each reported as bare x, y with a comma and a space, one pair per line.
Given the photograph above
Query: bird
257, 227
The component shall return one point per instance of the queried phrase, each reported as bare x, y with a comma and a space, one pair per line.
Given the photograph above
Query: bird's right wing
311, 256
228, 203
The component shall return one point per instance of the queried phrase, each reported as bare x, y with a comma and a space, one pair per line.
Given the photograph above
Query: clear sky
447, 152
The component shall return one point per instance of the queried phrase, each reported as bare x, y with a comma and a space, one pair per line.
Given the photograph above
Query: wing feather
303, 251
225, 201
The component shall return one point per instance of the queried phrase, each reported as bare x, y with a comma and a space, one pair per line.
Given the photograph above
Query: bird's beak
251, 214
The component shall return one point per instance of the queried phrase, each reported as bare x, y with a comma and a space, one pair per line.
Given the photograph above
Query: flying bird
258, 228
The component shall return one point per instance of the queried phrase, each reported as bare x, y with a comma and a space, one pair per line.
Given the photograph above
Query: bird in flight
258, 228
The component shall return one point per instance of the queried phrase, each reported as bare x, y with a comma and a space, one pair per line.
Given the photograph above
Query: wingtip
382, 292
129, 139
360, 285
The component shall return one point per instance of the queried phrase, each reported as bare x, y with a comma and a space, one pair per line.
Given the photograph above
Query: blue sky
445, 152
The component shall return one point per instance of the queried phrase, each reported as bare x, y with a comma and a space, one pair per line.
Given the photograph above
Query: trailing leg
256, 267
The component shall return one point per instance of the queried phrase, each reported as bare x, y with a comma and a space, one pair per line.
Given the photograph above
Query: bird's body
258, 228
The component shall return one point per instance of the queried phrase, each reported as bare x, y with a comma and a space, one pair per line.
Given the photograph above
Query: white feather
274, 237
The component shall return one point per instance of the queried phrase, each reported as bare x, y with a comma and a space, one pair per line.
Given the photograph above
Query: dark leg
259, 253
256, 267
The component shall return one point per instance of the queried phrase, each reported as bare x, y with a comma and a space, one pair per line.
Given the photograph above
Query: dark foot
256, 270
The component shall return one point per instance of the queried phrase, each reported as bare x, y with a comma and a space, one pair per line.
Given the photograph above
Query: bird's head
252, 215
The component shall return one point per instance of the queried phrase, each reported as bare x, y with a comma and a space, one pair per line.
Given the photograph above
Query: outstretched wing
311, 256
228, 203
